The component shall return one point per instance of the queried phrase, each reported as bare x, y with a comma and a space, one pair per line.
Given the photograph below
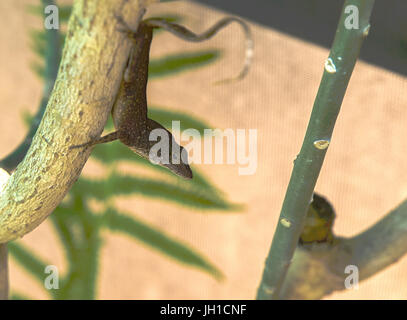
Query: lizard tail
184, 33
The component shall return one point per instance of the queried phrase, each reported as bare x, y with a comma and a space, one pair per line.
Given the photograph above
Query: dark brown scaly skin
129, 112
130, 109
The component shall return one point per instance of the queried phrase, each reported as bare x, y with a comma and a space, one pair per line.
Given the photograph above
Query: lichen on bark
89, 76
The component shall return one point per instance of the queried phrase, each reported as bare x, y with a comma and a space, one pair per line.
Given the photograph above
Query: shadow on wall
316, 21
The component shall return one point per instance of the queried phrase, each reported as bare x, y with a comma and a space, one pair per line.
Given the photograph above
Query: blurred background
130, 231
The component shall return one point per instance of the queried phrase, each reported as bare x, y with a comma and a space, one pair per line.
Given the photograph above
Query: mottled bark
89, 76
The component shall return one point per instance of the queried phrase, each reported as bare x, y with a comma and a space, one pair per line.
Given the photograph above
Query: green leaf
78, 228
37, 10
127, 185
64, 13
33, 264
173, 64
113, 152
39, 42
116, 152
165, 118
158, 240
62, 219
199, 180
28, 118
38, 69
18, 296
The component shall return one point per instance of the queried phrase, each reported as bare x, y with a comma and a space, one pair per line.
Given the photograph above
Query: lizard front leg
106, 138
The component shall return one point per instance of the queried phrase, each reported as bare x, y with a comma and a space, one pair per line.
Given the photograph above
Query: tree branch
318, 269
382, 244
92, 63
338, 70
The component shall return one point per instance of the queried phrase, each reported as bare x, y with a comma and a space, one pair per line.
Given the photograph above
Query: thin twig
338, 69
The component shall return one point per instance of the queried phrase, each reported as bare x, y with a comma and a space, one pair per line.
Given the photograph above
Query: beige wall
365, 173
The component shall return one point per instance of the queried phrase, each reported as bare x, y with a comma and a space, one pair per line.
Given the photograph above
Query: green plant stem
52, 59
344, 53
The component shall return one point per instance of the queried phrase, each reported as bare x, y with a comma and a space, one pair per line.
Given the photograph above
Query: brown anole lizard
129, 112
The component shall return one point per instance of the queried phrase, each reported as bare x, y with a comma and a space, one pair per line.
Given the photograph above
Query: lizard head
158, 145
171, 156
179, 163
